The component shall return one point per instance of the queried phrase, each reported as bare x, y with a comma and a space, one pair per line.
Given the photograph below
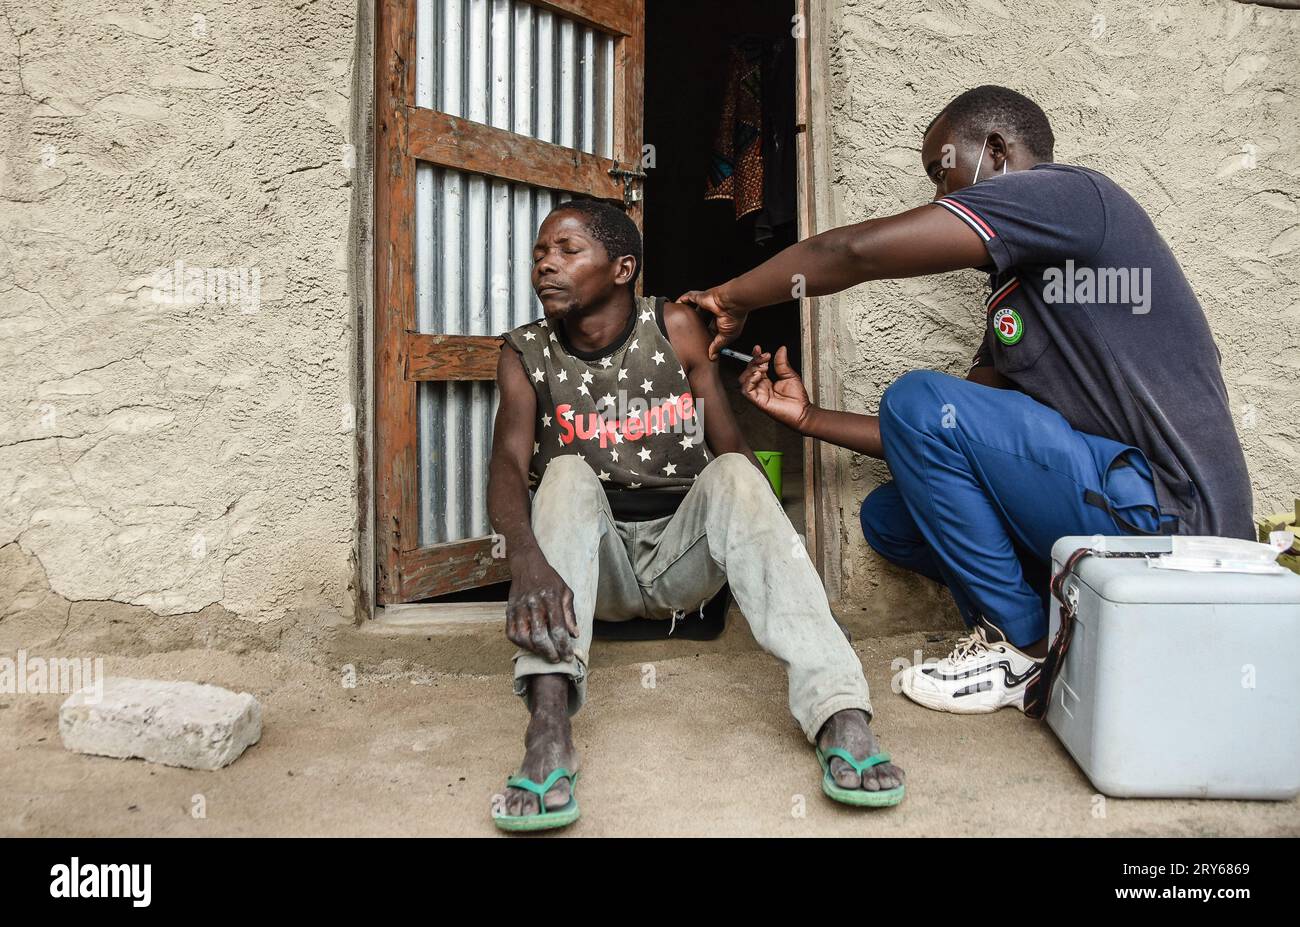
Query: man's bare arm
925, 240
539, 612
786, 400
690, 341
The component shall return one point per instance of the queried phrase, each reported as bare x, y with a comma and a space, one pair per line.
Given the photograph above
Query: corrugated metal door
490, 113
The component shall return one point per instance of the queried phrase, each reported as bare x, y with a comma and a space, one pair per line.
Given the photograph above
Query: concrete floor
709, 750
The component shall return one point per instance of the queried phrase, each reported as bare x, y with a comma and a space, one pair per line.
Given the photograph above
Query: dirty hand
786, 400
539, 612
727, 322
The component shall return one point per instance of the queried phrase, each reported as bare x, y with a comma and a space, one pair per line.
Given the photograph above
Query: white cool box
1179, 683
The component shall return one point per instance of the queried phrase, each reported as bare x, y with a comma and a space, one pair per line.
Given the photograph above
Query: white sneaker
979, 676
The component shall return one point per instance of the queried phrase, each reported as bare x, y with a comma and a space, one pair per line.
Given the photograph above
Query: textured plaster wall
1193, 107
201, 452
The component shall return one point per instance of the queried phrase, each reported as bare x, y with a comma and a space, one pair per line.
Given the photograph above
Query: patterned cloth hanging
736, 171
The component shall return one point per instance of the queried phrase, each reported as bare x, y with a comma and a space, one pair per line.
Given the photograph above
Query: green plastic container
771, 461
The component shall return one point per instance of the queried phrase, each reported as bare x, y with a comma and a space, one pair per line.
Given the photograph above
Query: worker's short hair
976, 113
610, 226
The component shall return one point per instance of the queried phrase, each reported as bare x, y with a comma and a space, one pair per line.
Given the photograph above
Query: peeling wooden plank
444, 568
609, 16
449, 141
451, 357
396, 462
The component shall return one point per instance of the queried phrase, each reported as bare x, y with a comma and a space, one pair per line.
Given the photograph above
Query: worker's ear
625, 268
998, 151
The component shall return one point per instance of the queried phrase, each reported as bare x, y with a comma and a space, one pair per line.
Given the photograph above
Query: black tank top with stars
626, 409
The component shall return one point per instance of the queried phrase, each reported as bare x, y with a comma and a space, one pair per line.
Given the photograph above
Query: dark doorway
697, 55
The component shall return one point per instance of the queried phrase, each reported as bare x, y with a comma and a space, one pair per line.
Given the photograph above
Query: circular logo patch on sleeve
1007, 326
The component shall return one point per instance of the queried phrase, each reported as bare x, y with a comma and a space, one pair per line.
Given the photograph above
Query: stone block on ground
175, 723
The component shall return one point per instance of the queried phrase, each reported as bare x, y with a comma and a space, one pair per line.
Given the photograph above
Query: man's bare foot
548, 745
849, 730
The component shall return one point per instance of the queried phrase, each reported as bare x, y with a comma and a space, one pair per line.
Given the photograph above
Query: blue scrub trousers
985, 482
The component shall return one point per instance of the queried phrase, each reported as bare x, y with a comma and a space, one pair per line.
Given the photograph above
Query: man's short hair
610, 226
976, 113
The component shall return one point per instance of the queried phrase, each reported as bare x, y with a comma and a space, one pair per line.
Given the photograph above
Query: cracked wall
176, 415
1193, 107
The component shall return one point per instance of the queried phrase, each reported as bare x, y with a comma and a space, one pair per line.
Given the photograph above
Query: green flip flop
541, 820
861, 797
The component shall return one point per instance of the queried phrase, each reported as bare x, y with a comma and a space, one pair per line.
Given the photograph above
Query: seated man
647, 501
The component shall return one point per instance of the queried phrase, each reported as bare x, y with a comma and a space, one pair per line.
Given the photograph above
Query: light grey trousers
730, 528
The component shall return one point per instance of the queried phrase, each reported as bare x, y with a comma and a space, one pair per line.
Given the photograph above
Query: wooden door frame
816, 213
405, 134
395, 478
